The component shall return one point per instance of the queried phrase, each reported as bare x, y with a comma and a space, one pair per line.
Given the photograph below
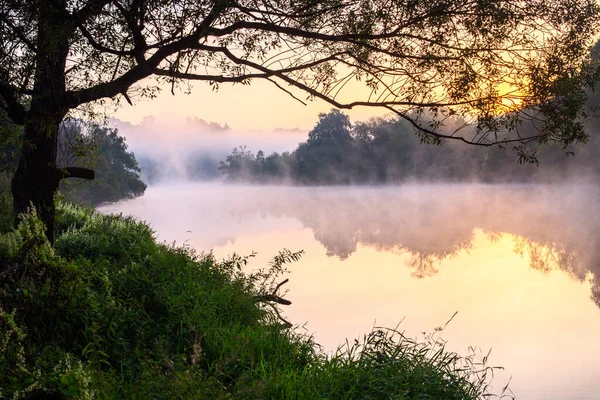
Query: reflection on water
520, 264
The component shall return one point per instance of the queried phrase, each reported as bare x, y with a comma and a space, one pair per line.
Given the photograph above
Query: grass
107, 312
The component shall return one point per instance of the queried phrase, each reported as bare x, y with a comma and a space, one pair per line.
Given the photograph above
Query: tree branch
354, 38
144, 68
76, 172
315, 93
273, 297
430, 132
20, 34
100, 47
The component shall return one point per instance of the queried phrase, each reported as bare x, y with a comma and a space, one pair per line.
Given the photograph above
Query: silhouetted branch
286, 323
273, 297
76, 172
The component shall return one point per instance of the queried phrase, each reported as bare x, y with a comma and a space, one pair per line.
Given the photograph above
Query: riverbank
110, 313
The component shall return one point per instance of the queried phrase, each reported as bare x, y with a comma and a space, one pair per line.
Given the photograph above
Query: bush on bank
110, 313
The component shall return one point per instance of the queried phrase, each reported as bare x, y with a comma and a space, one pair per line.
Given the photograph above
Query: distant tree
323, 155
101, 148
241, 164
278, 167
332, 129
385, 150
497, 62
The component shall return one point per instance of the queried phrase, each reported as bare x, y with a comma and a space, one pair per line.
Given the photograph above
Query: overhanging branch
144, 69
281, 74
430, 132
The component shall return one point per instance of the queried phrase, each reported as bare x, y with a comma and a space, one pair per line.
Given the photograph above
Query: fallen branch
273, 297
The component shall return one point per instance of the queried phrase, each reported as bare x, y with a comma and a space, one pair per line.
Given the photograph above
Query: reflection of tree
596, 291
552, 226
384, 219
423, 264
546, 257
338, 245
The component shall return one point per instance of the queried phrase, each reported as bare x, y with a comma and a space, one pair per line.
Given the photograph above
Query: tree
239, 165
332, 129
498, 62
100, 147
329, 145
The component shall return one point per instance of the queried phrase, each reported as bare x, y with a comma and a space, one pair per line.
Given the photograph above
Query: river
519, 263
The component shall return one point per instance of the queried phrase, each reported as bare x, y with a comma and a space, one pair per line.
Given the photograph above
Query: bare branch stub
272, 299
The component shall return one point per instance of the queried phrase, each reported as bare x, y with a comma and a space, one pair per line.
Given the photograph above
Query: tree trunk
36, 179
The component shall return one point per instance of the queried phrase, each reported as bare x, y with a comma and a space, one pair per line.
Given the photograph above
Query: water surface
520, 264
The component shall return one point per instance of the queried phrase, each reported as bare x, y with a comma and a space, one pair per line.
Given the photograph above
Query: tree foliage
488, 59
100, 148
496, 63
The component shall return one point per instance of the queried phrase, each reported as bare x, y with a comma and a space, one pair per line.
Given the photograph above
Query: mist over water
520, 264
191, 149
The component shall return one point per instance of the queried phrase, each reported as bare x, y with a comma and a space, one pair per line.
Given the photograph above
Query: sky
259, 106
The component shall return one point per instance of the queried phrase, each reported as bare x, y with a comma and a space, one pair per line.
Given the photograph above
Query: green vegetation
386, 150
102, 149
108, 313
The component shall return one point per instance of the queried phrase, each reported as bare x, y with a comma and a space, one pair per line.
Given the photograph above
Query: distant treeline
387, 150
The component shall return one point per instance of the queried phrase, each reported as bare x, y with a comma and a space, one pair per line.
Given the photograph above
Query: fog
170, 150
191, 150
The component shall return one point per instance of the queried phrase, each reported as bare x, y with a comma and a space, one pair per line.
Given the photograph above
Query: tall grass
108, 312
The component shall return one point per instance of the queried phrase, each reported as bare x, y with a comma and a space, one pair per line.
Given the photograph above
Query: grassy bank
110, 313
